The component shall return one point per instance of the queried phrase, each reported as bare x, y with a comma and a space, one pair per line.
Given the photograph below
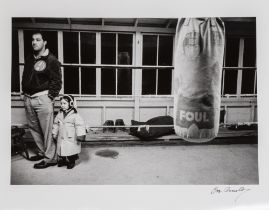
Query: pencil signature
238, 191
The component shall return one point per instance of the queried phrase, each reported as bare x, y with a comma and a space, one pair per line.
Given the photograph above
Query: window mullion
98, 62
240, 64
138, 43
117, 45
157, 76
223, 80
157, 62
61, 56
21, 54
133, 61
79, 60
255, 79
223, 70
173, 70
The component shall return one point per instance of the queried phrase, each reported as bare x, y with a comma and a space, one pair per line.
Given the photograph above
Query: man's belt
45, 92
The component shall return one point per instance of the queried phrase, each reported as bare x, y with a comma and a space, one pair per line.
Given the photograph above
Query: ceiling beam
69, 23
169, 22
239, 19
53, 26
136, 22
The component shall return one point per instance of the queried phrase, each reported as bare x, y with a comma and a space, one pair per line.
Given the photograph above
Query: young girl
68, 129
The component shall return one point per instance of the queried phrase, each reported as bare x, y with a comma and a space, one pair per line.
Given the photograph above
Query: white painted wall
97, 111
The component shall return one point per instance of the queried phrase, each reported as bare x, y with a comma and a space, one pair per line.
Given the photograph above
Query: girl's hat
70, 99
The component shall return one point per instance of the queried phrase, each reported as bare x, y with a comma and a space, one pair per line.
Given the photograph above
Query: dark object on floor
18, 144
61, 162
243, 127
153, 132
133, 130
69, 161
70, 165
119, 122
109, 123
107, 153
43, 164
36, 158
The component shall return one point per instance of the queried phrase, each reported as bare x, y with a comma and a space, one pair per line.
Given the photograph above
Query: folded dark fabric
133, 130
153, 132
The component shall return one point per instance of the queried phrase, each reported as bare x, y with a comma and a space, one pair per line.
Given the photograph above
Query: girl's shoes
69, 162
70, 165
61, 163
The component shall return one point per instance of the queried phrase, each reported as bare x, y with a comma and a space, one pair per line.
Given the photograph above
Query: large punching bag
199, 53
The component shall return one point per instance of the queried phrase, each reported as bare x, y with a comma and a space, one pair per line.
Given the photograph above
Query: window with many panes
157, 53
15, 76
101, 62
116, 49
249, 77
240, 75
79, 48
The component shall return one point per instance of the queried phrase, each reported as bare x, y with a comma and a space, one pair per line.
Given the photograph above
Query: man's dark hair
43, 34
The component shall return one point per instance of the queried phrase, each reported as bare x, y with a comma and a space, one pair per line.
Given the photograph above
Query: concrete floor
149, 165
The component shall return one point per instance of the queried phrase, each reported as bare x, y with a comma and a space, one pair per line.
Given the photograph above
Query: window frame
239, 68
118, 66
136, 66
157, 67
98, 65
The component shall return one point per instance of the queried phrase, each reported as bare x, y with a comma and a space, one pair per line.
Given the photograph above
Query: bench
97, 135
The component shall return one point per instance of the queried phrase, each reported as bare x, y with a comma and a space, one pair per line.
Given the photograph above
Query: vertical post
255, 81
117, 37
133, 62
61, 56
223, 79
225, 116
173, 70
79, 60
138, 74
255, 78
252, 113
223, 70
21, 54
240, 64
98, 62
103, 114
157, 62
167, 110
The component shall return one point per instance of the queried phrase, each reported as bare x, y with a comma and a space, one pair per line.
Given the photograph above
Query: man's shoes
36, 158
43, 164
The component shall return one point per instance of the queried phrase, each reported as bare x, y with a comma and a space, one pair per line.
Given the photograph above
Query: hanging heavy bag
197, 77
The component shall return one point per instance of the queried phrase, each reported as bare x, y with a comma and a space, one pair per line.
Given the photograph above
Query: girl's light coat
66, 130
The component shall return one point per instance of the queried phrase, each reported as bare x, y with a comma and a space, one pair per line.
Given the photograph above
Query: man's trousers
39, 113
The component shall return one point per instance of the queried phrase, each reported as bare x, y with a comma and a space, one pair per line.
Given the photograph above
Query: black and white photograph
136, 103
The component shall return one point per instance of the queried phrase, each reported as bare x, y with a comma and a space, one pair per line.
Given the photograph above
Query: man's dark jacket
43, 73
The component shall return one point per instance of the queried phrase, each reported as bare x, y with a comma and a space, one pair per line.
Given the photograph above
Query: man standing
41, 83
